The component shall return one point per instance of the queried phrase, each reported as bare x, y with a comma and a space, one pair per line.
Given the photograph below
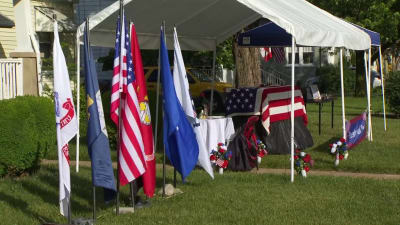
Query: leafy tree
382, 16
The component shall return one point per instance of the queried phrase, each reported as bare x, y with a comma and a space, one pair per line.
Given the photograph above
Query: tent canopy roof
272, 35
204, 24
375, 36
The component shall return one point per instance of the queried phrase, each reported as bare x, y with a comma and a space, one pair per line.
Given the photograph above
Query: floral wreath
340, 148
221, 156
302, 162
261, 149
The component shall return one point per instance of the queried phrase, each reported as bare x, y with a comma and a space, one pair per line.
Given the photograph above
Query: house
26, 40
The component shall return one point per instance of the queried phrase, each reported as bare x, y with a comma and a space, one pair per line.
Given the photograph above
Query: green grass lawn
232, 198
379, 156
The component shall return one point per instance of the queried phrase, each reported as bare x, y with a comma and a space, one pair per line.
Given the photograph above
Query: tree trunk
247, 60
360, 86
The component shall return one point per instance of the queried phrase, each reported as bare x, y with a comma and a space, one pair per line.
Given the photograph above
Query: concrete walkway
270, 171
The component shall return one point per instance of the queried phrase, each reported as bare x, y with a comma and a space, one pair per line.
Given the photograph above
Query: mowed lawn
231, 198
239, 198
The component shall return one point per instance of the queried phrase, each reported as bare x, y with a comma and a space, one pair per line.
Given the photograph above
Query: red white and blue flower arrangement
302, 162
221, 157
261, 150
340, 148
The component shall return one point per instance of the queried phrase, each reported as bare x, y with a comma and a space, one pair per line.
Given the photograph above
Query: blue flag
179, 139
97, 140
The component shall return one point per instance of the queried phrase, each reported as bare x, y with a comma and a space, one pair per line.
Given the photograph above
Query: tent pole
383, 87
213, 80
369, 95
342, 90
366, 83
292, 117
78, 84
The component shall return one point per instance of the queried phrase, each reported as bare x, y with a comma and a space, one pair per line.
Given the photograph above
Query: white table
216, 130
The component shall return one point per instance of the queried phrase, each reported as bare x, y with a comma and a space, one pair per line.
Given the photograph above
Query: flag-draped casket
273, 106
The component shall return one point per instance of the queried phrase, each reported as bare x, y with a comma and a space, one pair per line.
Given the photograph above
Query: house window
45, 43
308, 55
303, 55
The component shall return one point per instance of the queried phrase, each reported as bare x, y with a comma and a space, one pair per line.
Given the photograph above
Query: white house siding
8, 41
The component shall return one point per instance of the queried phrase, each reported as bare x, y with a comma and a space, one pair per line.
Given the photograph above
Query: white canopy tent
204, 24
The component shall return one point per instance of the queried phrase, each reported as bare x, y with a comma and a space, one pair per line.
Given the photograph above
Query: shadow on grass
22, 206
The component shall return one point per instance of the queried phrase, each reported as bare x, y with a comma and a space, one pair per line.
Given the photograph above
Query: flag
97, 138
272, 103
356, 130
66, 122
179, 139
149, 177
278, 55
267, 54
131, 147
181, 84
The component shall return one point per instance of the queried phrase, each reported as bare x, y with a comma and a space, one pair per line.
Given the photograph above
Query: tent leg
383, 87
292, 117
213, 81
367, 90
342, 90
369, 96
78, 84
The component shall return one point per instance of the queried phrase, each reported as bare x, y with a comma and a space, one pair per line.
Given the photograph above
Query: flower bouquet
302, 162
221, 157
340, 148
261, 151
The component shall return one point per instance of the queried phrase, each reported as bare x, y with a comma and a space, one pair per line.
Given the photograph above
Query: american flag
278, 54
242, 101
272, 103
220, 162
267, 54
131, 150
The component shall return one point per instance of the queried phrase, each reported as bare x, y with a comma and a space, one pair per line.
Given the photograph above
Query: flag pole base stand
125, 210
82, 221
77, 221
170, 191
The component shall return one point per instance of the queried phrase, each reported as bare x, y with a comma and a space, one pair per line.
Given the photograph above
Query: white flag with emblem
67, 124
182, 91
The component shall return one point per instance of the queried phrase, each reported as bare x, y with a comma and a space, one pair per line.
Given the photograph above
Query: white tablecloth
216, 130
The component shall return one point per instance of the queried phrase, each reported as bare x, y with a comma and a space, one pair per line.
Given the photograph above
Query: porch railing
11, 78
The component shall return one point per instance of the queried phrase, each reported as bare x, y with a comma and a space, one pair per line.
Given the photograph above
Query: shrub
392, 88
27, 132
329, 81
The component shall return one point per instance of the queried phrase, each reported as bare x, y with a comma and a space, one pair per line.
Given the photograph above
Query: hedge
27, 132
392, 88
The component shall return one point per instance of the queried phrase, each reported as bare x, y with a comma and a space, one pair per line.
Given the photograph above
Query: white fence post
11, 78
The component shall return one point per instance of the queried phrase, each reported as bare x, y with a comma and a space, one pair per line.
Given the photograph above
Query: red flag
268, 54
149, 177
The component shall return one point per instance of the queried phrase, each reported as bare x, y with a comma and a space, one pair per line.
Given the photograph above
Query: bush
329, 81
27, 132
392, 88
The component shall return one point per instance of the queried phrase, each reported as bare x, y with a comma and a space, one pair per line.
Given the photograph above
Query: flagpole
121, 8
213, 81
69, 196
133, 194
78, 81
164, 159
93, 187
